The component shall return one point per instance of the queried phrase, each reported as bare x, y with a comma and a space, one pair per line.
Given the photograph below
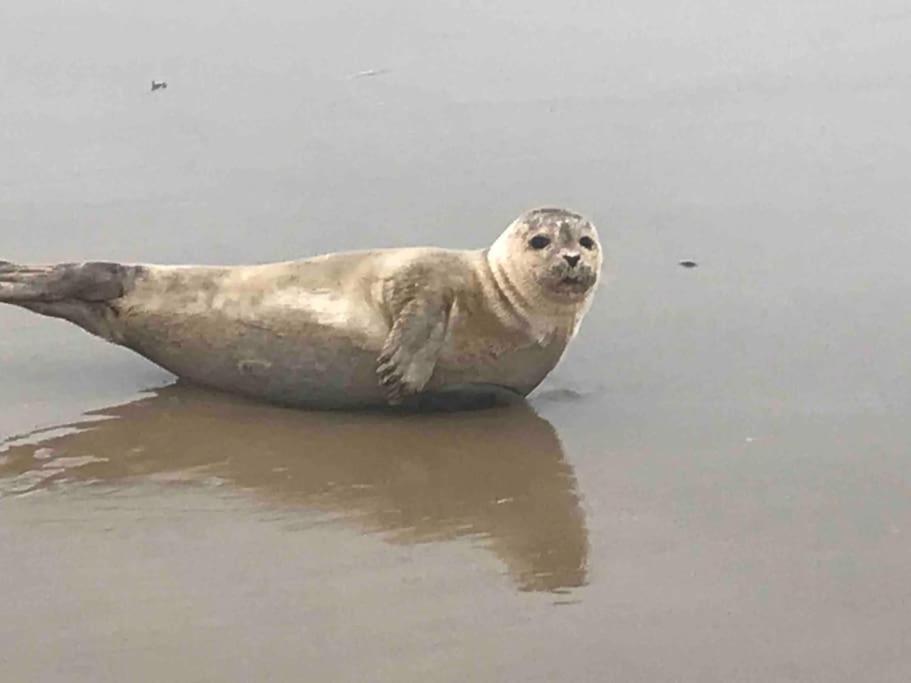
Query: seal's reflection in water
497, 474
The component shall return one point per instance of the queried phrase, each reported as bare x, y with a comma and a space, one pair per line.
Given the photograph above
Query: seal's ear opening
462, 397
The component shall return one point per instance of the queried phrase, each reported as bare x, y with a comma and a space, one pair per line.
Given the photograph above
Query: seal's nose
571, 259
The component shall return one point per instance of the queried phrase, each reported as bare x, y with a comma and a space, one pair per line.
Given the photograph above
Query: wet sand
714, 485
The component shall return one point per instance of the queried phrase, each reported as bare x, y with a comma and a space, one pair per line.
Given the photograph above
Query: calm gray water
715, 484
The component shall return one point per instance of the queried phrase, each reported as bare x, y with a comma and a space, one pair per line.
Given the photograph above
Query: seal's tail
85, 282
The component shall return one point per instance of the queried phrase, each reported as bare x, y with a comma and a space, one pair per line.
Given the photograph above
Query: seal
345, 330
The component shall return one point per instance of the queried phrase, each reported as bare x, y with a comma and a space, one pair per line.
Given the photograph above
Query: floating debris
159, 85
688, 264
369, 73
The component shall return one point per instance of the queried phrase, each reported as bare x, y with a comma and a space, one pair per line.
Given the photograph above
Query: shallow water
714, 485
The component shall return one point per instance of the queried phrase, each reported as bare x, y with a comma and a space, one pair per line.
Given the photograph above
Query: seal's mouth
573, 284
569, 283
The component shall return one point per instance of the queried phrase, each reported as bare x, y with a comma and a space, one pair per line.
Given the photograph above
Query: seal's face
553, 251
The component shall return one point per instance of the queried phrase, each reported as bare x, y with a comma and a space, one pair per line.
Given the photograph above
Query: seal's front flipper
412, 347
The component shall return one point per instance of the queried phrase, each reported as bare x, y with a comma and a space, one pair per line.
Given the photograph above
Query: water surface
714, 484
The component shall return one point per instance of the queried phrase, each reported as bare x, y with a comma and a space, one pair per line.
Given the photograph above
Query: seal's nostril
571, 259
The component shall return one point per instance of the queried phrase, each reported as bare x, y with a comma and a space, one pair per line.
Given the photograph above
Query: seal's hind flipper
85, 282
78, 292
20, 283
410, 353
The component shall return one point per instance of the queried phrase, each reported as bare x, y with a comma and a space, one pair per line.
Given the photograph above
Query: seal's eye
587, 242
539, 241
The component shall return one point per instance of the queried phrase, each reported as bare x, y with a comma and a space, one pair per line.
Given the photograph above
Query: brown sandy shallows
497, 474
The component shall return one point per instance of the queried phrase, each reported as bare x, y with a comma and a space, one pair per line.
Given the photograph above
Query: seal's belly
483, 352
295, 346
302, 364
310, 346
520, 369
294, 359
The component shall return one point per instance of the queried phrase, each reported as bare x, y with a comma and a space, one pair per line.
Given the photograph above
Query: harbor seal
345, 330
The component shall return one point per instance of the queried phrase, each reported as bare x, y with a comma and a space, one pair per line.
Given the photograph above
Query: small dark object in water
688, 264
159, 85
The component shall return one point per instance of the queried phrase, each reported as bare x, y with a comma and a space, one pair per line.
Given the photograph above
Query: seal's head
549, 254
